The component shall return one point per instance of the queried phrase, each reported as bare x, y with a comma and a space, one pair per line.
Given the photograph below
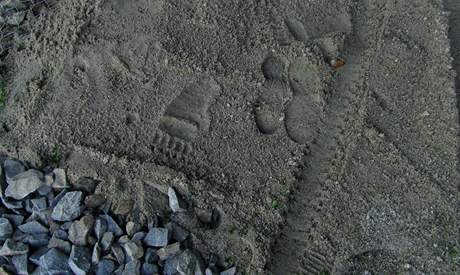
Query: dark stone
6, 229
69, 207
85, 184
80, 260
149, 269
231, 271
112, 225
11, 248
178, 233
35, 257
12, 167
16, 220
151, 256
54, 262
94, 201
212, 218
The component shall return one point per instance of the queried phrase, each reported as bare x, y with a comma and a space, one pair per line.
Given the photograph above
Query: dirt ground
326, 132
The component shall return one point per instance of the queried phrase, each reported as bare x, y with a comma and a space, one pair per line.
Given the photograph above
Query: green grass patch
453, 252
275, 205
56, 156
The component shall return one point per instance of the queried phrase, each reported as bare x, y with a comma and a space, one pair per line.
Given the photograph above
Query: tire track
328, 158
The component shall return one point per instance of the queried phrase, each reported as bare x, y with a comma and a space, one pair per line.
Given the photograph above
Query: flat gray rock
11, 248
169, 251
157, 237
80, 260
54, 262
174, 202
25, 183
69, 207
100, 227
33, 228
6, 229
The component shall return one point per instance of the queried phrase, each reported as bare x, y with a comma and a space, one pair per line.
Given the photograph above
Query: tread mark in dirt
187, 115
315, 263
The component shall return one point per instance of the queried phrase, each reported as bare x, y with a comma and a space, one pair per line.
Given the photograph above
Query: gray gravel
46, 227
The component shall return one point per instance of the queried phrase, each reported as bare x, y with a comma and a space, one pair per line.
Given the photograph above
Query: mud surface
326, 132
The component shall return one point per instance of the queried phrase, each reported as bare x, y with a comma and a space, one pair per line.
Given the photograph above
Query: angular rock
169, 251
96, 200
178, 233
189, 263
151, 256
59, 179
117, 251
123, 207
133, 251
16, 220
132, 228
54, 262
123, 239
95, 257
212, 218
112, 225
85, 184
80, 260
6, 229
11, 5
61, 234
174, 202
62, 245
56, 199
107, 240
79, 230
157, 237
12, 167
105, 267
11, 248
230, 271
20, 264
132, 268
39, 204
35, 257
100, 227
69, 207
36, 240
33, 228
13, 205
149, 269
138, 237
24, 184
45, 189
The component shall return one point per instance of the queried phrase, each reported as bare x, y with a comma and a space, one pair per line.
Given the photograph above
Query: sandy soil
241, 105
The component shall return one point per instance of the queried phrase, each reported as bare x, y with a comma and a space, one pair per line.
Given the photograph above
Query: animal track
302, 115
187, 114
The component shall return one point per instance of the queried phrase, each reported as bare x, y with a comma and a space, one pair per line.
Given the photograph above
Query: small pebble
100, 227
59, 179
168, 251
174, 202
95, 257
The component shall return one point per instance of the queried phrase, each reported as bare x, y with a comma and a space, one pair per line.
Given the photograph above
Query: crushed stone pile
51, 226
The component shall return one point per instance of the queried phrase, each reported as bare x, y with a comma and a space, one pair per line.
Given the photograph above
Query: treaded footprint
187, 114
270, 104
305, 112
